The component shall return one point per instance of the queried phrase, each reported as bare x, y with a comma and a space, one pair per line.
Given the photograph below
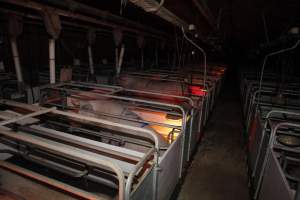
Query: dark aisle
218, 171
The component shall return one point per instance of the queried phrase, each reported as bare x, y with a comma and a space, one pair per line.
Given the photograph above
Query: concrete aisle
218, 171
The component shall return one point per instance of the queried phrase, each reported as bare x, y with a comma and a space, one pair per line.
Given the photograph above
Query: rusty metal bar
48, 181
70, 152
40, 112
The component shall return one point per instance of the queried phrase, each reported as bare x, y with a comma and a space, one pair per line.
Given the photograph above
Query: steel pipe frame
176, 75
61, 168
247, 78
106, 136
36, 113
270, 55
81, 117
149, 132
123, 98
184, 113
156, 123
190, 133
116, 89
276, 176
96, 162
111, 95
210, 97
143, 160
253, 86
136, 169
270, 148
214, 78
124, 118
254, 102
206, 86
267, 119
48, 181
121, 89
148, 77
75, 140
84, 142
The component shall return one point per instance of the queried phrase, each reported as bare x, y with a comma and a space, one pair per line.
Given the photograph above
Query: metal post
15, 52
142, 58
120, 61
91, 62
52, 60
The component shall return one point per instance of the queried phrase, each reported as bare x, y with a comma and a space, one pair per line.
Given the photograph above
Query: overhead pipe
161, 11
157, 8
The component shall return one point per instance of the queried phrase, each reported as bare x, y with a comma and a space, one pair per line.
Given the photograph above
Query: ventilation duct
158, 9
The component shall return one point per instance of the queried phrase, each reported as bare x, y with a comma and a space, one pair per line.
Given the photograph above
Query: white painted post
52, 60
91, 62
15, 52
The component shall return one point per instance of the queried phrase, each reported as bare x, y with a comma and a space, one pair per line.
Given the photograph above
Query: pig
99, 107
154, 85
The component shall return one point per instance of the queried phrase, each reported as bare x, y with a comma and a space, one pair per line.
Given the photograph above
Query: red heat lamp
198, 91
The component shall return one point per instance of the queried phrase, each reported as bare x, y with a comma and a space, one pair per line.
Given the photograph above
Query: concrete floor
218, 171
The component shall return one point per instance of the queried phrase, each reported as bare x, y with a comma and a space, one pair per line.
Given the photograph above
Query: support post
121, 59
52, 60
91, 62
15, 52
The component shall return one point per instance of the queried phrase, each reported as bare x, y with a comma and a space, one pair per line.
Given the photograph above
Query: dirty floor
218, 171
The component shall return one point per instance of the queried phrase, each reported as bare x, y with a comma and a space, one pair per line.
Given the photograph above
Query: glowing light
169, 134
198, 90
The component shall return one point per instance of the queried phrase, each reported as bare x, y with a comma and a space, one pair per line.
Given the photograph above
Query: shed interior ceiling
238, 24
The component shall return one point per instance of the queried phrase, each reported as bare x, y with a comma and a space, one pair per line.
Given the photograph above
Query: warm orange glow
166, 132
197, 90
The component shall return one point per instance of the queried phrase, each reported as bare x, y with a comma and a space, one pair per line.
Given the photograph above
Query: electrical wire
199, 48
